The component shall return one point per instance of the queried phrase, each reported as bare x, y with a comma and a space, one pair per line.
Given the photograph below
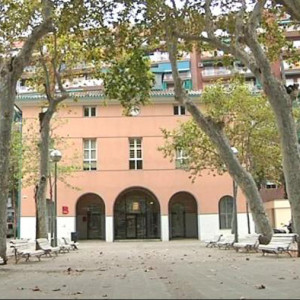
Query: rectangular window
89, 154
181, 160
226, 212
179, 110
135, 154
89, 111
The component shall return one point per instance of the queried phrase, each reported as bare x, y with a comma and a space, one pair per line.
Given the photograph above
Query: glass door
131, 226
94, 224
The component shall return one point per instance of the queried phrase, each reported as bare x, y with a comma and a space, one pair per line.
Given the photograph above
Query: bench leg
27, 257
48, 252
17, 258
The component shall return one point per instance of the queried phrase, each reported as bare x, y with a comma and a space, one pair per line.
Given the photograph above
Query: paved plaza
153, 270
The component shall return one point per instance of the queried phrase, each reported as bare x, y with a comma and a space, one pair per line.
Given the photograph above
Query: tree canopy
249, 124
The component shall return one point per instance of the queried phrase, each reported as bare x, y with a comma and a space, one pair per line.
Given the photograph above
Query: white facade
208, 226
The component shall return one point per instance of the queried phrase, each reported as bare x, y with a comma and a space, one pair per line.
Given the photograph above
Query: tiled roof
93, 94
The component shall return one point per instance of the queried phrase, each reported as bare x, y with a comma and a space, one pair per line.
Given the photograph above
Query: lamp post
55, 156
235, 221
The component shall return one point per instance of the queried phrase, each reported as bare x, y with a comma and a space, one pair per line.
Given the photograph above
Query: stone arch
136, 215
183, 216
90, 217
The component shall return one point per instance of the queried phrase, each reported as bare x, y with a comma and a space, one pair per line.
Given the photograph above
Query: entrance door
136, 226
141, 226
183, 216
131, 226
178, 221
136, 215
94, 225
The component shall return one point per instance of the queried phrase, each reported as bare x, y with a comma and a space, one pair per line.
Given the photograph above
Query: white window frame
181, 159
180, 109
227, 213
135, 145
89, 111
89, 161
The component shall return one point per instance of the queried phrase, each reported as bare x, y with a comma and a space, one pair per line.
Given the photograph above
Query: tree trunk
214, 131
281, 105
7, 100
243, 179
42, 231
10, 72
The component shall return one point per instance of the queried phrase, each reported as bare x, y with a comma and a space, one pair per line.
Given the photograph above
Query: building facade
125, 188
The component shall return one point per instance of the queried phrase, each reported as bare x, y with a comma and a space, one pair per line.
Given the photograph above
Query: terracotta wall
113, 176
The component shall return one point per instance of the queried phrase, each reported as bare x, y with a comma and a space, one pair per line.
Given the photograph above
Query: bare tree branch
245, 57
47, 77
64, 93
239, 28
25, 54
256, 14
210, 26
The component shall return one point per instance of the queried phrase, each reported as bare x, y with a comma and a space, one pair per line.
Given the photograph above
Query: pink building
126, 188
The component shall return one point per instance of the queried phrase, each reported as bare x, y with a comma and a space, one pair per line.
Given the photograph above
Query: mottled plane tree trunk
44, 145
216, 134
11, 69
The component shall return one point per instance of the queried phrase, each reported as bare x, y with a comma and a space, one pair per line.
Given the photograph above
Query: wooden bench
44, 244
24, 248
280, 243
248, 243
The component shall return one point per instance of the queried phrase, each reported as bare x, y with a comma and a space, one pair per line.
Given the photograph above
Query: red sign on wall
65, 210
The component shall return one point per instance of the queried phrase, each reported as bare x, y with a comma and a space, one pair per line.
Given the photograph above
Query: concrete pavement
183, 269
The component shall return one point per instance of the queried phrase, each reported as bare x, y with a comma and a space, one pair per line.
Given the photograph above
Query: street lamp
235, 221
55, 156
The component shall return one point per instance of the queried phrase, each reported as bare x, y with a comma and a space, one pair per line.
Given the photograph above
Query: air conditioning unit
200, 65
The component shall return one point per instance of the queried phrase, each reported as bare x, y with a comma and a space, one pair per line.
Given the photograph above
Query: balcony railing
221, 71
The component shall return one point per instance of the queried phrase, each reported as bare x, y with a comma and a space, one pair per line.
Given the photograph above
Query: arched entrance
136, 215
90, 217
183, 216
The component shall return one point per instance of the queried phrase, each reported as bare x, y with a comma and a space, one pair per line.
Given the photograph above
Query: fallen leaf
78, 293
260, 287
36, 289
